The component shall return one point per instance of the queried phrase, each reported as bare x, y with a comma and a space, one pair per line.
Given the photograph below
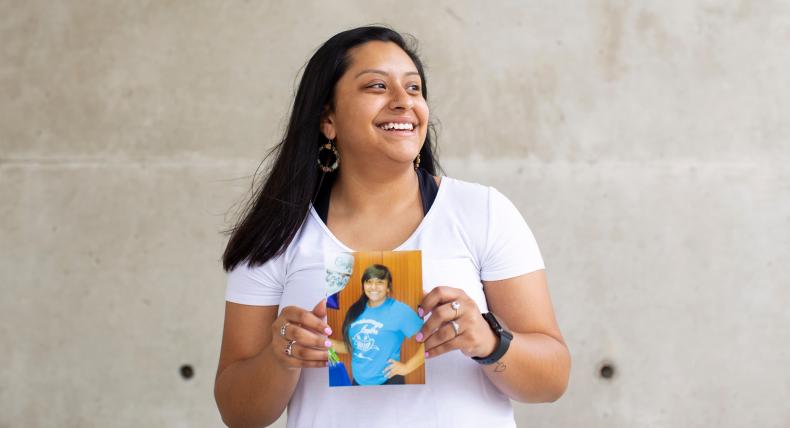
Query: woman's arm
398, 368
255, 379
537, 364
250, 388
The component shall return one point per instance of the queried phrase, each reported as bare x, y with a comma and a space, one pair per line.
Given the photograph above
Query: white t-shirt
471, 233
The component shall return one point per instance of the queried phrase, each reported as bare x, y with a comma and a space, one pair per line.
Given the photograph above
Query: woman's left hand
448, 305
395, 368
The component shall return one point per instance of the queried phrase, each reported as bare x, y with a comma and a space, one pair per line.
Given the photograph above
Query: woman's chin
376, 301
402, 149
404, 157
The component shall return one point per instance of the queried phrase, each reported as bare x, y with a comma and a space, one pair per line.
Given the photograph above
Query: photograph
372, 300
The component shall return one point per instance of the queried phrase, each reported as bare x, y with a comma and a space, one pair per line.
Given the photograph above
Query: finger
445, 334
320, 309
444, 348
299, 356
440, 315
438, 296
305, 353
301, 364
307, 338
306, 319
420, 311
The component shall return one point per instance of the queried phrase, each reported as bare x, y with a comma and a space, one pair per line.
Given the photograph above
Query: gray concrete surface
646, 143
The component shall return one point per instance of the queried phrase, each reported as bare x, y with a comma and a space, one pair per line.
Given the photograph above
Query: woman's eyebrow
382, 72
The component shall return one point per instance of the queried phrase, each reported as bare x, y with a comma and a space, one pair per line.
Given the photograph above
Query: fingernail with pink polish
420, 312
328, 331
426, 355
419, 337
328, 343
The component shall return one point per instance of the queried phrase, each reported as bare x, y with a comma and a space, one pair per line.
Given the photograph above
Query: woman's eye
378, 86
415, 87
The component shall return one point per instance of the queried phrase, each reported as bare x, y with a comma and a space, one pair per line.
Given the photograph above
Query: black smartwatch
504, 341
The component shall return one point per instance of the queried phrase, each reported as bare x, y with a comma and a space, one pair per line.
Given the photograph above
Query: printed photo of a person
374, 329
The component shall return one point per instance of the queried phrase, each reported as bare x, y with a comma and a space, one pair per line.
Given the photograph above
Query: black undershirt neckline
428, 191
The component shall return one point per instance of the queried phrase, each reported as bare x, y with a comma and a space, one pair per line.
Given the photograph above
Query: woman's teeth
397, 126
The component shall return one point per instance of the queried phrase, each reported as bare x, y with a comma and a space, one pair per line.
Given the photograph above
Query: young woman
374, 329
358, 135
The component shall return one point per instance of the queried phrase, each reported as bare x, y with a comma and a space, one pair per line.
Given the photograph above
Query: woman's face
381, 87
377, 291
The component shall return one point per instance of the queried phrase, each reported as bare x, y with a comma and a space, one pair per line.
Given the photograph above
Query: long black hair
277, 209
373, 271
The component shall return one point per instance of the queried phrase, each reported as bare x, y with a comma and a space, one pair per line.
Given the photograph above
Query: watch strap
504, 341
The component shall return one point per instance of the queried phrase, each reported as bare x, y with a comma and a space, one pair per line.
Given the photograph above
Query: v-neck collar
427, 218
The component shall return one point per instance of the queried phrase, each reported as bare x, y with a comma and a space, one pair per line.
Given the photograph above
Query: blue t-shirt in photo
376, 336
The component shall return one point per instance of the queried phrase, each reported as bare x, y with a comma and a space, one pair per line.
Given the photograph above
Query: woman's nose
401, 99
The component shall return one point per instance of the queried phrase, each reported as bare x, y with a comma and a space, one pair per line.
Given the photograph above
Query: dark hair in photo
277, 209
373, 271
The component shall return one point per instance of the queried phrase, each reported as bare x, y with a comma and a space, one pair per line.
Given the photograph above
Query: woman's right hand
309, 334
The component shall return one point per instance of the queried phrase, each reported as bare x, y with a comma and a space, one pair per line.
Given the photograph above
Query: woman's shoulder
473, 204
399, 306
474, 194
465, 199
461, 188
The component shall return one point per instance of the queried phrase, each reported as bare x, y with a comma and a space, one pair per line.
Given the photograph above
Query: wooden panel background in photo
406, 269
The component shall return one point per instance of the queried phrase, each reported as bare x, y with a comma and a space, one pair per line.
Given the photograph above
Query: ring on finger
456, 306
456, 328
283, 327
289, 348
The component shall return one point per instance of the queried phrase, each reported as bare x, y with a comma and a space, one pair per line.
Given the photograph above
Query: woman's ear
328, 123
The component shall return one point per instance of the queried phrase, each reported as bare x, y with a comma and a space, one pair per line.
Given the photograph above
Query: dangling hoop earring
417, 161
328, 157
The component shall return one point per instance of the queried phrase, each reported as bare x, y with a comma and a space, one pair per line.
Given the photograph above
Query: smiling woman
379, 113
361, 114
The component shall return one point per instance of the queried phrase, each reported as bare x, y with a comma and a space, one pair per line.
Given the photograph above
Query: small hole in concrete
187, 372
607, 371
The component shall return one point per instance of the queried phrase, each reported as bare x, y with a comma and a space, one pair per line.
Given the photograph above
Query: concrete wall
646, 143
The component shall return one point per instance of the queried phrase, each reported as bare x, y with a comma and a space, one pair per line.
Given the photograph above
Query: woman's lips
404, 132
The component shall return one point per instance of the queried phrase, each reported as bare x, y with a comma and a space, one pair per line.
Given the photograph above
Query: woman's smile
376, 290
406, 127
405, 131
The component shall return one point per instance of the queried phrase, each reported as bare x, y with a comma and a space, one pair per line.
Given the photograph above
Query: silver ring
289, 348
456, 306
282, 329
456, 327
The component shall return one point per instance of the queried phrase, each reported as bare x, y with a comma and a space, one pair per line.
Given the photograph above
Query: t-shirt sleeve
260, 285
510, 248
411, 323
